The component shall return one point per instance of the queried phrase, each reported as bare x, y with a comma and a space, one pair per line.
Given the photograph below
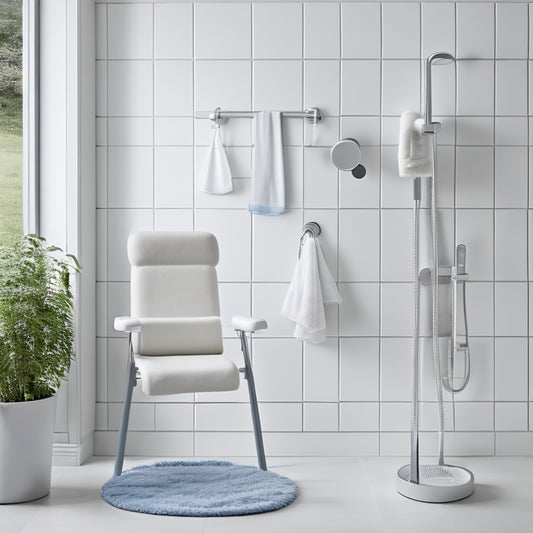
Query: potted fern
36, 349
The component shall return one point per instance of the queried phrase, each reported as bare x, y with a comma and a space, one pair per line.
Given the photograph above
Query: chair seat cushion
175, 374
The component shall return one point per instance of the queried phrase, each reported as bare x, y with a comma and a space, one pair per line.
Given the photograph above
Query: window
11, 158
18, 124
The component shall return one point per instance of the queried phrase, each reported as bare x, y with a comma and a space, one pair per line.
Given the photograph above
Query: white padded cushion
180, 374
172, 248
179, 336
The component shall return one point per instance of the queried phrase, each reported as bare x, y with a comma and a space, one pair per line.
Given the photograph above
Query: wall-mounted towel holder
311, 114
346, 155
310, 229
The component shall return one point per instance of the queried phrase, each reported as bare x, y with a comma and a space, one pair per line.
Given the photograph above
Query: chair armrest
128, 324
248, 323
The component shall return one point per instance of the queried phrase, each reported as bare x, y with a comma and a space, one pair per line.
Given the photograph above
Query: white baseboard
73, 454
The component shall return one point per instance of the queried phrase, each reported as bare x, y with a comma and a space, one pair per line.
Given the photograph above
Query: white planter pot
26, 440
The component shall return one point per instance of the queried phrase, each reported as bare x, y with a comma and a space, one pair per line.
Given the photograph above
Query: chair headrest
172, 248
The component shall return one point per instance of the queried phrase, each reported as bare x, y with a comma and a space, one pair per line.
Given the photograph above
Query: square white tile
320, 183
101, 31
174, 417
475, 87
173, 131
511, 416
359, 242
130, 177
400, 27
510, 257
359, 369
396, 309
321, 31
321, 86
359, 310
475, 229
395, 378
141, 416
481, 309
396, 244
294, 176
222, 30
222, 417
365, 43
173, 177
321, 371
267, 301
130, 131
511, 30
475, 177
364, 192
269, 94
224, 84
396, 192
395, 416
475, 30
511, 131
275, 249
474, 416
360, 98
173, 88
235, 299
400, 86
101, 88
173, 219
281, 416
510, 300
365, 129
120, 223
173, 30
286, 18
438, 28
511, 87
359, 416
321, 417
130, 31
130, 88
232, 228
326, 133
475, 131
278, 370
510, 369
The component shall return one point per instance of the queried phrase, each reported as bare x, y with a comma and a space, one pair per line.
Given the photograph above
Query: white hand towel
267, 196
215, 176
312, 287
414, 150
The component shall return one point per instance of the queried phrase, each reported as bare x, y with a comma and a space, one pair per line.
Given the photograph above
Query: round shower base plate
438, 484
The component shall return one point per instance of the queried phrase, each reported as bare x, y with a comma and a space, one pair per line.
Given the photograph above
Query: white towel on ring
267, 196
215, 177
312, 287
415, 151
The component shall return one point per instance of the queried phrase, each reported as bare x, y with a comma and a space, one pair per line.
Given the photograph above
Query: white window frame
30, 119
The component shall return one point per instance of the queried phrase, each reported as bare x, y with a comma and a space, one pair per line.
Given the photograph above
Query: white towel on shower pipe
215, 176
415, 151
267, 195
312, 287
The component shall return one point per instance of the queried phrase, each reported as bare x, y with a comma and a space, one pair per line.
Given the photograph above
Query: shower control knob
359, 172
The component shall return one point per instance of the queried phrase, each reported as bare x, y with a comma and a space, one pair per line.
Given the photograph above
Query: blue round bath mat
199, 488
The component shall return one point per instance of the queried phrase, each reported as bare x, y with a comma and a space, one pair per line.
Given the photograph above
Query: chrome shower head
438, 58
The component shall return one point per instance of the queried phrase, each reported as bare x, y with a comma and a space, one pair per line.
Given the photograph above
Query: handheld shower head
438, 58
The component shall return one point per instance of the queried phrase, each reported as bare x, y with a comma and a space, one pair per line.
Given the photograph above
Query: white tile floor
336, 495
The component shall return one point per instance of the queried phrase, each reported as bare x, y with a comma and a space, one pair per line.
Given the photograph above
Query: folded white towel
312, 287
215, 176
415, 157
267, 196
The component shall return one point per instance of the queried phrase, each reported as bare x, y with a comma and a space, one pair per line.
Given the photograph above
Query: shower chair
175, 332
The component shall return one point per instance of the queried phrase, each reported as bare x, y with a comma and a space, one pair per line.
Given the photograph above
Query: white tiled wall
160, 64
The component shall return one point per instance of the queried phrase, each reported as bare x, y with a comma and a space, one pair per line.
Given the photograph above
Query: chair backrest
173, 280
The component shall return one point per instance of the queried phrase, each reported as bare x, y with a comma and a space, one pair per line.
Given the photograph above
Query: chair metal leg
131, 381
249, 377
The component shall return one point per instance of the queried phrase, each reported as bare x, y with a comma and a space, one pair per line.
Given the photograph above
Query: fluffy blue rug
199, 488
